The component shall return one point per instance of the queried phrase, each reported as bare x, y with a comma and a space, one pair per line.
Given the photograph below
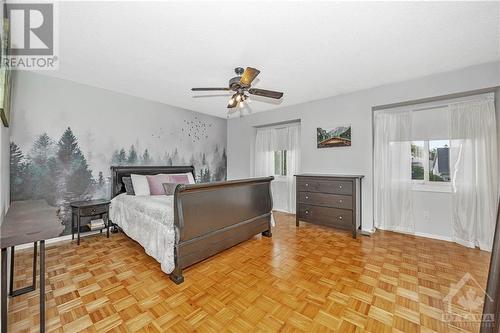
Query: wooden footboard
212, 217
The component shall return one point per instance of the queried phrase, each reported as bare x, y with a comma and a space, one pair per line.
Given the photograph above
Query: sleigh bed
197, 222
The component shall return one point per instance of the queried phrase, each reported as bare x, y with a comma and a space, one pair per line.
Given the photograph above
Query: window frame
426, 185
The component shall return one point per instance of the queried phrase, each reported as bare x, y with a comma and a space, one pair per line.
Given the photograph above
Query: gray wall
497, 107
4, 167
102, 123
4, 175
4, 171
356, 109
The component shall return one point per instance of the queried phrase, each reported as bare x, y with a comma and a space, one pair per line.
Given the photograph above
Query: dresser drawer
324, 199
324, 215
96, 210
324, 186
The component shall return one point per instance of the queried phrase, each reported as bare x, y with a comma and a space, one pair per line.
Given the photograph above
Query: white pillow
140, 184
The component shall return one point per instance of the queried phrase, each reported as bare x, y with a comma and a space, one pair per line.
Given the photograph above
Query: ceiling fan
241, 85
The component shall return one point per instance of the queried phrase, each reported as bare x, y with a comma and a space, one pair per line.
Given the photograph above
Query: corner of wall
4, 171
497, 109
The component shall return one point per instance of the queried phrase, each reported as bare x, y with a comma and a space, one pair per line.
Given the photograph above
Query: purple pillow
156, 182
179, 179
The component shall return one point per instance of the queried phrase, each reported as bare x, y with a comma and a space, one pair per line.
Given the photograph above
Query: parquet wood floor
306, 280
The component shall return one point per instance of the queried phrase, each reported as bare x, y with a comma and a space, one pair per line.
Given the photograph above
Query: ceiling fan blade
266, 93
208, 89
248, 76
211, 95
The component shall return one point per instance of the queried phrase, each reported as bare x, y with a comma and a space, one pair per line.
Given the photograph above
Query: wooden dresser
331, 200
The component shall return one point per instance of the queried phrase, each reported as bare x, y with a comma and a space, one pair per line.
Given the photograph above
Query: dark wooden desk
27, 222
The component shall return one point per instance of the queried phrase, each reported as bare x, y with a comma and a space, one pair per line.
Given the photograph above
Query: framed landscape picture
339, 136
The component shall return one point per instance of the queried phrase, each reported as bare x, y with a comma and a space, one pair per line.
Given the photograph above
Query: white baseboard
422, 234
281, 211
368, 232
438, 237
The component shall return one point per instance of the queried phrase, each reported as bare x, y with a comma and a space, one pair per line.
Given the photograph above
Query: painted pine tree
75, 178
17, 173
43, 149
132, 156
100, 180
119, 157
122, 157
220, 172
205, 178
43, 181
52, 175
146, 159
175, 157
114, 158
214, 164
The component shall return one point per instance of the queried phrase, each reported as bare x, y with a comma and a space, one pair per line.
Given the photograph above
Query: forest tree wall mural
62, 148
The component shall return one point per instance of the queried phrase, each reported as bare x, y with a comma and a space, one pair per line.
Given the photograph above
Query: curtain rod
431, 107
436, 99
288, 122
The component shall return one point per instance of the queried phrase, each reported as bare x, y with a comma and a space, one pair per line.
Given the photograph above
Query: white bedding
149, 220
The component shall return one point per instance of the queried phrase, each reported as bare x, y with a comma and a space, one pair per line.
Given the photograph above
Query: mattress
149, 220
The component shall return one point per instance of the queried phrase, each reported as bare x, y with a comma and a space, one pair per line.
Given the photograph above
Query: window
430, 161
280, 163
418, 160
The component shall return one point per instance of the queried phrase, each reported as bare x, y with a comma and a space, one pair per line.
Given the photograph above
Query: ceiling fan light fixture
240, 85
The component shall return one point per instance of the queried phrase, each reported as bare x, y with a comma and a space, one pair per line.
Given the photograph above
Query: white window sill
429, 187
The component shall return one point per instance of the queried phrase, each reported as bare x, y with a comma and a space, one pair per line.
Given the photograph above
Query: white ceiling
308, 50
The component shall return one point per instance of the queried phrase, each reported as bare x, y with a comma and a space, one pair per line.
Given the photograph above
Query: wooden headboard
118, 172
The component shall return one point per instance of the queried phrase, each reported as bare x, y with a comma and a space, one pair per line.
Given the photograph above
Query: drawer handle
307, 212
341, 201
340, 217
307, 197
307, 184
340, 186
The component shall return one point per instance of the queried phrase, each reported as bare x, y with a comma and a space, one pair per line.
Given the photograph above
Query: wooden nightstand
88, 210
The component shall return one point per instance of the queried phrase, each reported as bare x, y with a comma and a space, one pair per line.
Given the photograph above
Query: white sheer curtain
392, 176
473, 160
269, 140
292, 164
264, 154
